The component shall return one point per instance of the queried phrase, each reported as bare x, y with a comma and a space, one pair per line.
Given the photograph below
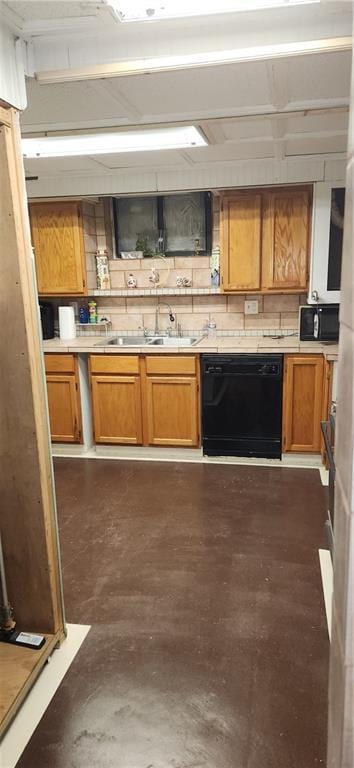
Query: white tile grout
33, 708
327, 584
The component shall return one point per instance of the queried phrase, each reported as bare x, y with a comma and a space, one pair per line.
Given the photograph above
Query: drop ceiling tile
190, 92
68, 103
323, 76
154, 159
316, 146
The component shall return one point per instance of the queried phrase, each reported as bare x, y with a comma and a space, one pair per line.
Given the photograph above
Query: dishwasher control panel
242, 365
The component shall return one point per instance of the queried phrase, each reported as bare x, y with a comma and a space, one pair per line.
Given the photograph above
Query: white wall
12, 71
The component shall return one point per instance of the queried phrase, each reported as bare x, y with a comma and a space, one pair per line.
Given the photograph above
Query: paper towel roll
67, 328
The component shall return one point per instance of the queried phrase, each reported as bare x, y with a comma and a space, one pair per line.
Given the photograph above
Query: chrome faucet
171, 316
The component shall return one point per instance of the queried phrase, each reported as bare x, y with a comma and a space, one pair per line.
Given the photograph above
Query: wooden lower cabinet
172, 410
145, 400
116, 404
63, 398
302, 403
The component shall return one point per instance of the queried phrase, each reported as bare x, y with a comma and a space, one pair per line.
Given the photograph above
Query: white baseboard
34, 706
183, 455
327, 584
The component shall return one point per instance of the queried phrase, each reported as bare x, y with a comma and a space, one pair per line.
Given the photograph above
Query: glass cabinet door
327, 242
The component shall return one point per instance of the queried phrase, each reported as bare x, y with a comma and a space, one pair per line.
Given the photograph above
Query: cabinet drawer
114, 364
175, 364
59, 363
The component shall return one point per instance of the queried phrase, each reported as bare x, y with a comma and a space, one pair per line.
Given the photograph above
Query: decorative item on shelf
183, 282
215, 266
131, 281
102, 271
197, 247
154, 276
84, 315
142, 244
93, 312
132, 255
161, 243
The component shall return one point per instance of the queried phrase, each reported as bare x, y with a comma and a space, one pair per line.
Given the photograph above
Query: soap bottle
211, 327
93, 311
84, 315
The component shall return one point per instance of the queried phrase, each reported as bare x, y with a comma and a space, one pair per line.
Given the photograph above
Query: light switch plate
251, 307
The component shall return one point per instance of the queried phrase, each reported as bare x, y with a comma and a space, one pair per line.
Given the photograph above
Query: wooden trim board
28, 514
19, 669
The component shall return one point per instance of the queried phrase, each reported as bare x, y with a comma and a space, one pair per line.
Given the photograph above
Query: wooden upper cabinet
285, 239
302, 403
58, 242
265, 240
241, 241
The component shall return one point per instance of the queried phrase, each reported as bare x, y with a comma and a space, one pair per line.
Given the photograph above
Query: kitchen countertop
221, 344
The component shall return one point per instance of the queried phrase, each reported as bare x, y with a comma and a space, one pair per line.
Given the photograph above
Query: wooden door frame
26, 474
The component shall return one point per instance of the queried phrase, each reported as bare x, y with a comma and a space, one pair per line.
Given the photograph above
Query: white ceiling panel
246, 129
325, 76
149, 160
55, 165
225, 152
313, 123
60, 9
68, 103
316, 146
197, 91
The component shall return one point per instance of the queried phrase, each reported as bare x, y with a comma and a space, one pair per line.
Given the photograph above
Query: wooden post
27, 498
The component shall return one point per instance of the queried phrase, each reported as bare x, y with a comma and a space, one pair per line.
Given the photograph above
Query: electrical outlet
251, 307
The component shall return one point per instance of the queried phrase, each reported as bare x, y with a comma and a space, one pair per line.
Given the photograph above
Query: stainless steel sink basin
124, 341
144, 341
175, 341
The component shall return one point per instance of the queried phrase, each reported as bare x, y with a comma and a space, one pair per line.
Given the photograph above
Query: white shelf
157, 292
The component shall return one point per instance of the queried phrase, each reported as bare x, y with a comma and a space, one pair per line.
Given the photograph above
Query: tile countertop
226, 344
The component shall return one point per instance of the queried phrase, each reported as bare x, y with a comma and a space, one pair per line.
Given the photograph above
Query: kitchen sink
143, 341
124, 341
175, 341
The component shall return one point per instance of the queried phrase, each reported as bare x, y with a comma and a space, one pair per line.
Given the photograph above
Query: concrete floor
209, 645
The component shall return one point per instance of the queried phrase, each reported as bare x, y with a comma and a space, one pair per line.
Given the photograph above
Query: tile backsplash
276, 313
192, 312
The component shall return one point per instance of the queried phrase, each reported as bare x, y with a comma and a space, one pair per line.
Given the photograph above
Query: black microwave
319, 322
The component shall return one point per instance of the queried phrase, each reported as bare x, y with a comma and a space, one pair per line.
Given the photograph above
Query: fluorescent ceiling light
143, 10
111, 143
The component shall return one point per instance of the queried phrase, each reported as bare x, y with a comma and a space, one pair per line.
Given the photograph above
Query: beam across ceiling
188, 61
213, 126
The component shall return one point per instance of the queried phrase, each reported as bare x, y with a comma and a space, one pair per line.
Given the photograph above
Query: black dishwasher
242, 405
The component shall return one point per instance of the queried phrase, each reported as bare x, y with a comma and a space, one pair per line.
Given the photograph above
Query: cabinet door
116, 403
172, 410
57, 239
64, 409
241, 242
302, 403
285, 239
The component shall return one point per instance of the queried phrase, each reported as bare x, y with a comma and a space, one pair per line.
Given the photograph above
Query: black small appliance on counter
319, 322
47, 319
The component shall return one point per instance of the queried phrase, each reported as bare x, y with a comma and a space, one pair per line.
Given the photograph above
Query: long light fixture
111, 143
143, 10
